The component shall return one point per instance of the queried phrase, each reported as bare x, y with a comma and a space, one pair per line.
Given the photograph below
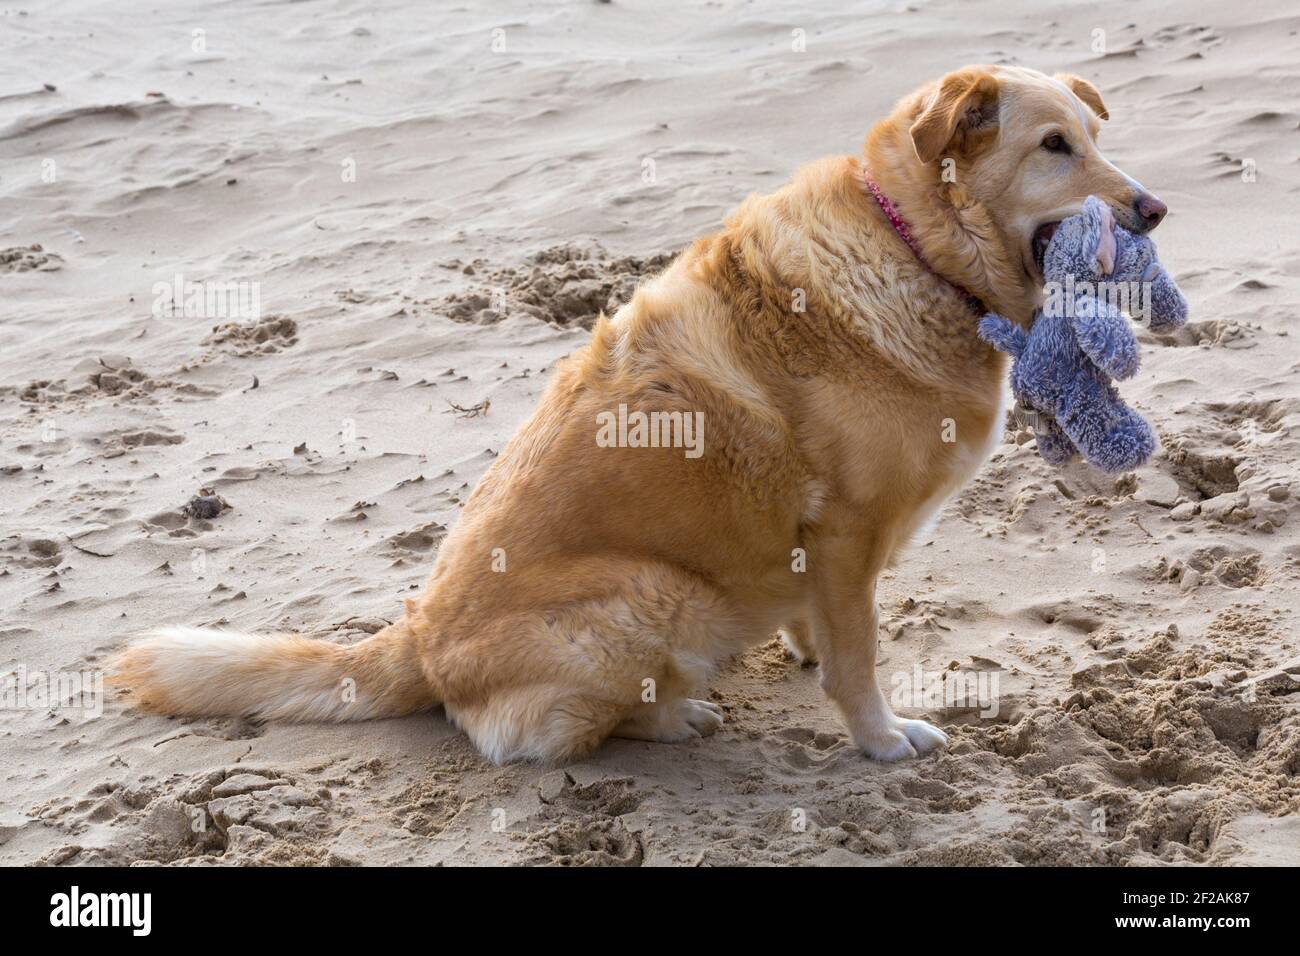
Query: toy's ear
1085, 91
958, 113
1101, 224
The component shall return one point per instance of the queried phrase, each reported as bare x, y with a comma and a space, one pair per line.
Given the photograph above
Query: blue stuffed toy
1095, 271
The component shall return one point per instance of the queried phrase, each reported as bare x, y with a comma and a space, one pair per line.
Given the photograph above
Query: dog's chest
903, 458
960, 460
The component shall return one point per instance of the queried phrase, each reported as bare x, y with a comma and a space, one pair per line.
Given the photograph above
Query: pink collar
900, 227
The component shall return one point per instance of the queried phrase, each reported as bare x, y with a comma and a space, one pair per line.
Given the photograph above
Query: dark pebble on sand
205, 506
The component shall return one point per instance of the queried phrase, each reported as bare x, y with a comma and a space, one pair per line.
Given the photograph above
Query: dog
825, 344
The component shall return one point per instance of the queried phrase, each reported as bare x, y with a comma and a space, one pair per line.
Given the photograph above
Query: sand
433, 205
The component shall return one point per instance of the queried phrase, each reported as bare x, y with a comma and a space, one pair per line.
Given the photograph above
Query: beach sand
430, 207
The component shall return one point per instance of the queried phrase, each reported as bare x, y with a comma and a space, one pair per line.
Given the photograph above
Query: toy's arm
1003, 334
1168, 307
1164, 305
1105, 337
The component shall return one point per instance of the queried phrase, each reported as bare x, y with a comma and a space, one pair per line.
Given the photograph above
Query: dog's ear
1085, 91
964, 106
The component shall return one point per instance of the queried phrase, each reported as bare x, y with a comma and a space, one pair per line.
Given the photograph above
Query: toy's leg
1109, 434
1054, 444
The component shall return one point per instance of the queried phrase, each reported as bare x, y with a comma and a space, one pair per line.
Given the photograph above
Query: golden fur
587, 590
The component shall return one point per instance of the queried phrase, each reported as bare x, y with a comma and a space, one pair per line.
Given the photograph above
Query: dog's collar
900, 226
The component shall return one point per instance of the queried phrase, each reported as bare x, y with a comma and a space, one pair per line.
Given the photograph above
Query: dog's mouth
1042, 237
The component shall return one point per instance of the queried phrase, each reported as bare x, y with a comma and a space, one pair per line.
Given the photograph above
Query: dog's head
1023, 145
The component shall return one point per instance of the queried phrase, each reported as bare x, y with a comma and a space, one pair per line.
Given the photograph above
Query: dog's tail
200, 672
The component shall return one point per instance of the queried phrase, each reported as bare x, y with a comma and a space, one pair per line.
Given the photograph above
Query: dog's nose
1150, 211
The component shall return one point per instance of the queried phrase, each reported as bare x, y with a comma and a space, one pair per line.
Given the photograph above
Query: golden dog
825, 387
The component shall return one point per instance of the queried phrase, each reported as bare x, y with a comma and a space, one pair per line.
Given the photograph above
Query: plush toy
1095, 270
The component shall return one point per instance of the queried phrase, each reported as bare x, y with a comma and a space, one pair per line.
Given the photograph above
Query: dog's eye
1055, 143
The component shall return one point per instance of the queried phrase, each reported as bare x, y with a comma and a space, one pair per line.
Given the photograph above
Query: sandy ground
433, 204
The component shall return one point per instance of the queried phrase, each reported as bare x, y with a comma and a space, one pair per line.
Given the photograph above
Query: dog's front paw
902, 739
924, 736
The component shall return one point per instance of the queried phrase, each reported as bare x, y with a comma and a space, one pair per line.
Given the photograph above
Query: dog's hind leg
797, 638
671, 721
564, 719
621, 664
